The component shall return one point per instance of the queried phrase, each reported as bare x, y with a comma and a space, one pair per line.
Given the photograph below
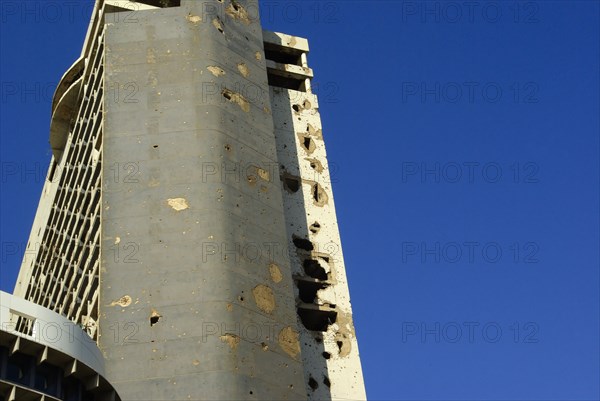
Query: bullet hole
303, 243
313, 383
291, 386
227, 95
264, 346
251, 179
315, 228
319, 195
154, 317
291, 183
326, 381
314, 269
306, 104
326, 355
155, 146
296, 108
228, 148
340, 344
318, 339
251, 392
308, 290
241, 299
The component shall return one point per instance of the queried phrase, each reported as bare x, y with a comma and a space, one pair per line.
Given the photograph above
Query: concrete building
47, 357
187, 220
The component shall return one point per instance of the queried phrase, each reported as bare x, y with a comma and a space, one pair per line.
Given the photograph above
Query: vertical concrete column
196, 292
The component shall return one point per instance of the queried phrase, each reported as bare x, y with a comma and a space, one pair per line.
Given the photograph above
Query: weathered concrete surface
197, 210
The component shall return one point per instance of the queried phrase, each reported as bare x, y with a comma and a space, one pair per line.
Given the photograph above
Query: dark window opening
279, 81
52, 171
278, 55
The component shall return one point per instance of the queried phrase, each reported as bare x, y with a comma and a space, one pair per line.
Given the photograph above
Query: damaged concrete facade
188, 220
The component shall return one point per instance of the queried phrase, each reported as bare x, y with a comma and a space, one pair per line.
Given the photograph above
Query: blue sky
465, 143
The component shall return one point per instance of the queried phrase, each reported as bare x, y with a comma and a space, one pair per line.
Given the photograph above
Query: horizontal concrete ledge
300, 45
49, 329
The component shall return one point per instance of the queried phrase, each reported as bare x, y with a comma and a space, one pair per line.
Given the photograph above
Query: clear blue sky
465, 140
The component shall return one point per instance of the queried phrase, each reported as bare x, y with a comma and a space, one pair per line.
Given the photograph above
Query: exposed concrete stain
229, 307
263, 174
231, 339
344, 344
243, 69
251, 179
117, 240
234, 97
236, 11
124, 301
150, 56
275, 272
195, 362
178, 204
218, 24
258, 56
264, 298
153, 183
216, 71
267, 110
288, 341
318, 133
316, 165
194, 19
264, 189
265, 347
292, 42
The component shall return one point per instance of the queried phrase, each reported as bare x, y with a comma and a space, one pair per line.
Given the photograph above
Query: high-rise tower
187, 220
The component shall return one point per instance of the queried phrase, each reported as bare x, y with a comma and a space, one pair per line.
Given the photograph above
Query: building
48, 358
187, 221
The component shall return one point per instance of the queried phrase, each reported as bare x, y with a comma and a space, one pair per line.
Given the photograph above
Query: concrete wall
187, 308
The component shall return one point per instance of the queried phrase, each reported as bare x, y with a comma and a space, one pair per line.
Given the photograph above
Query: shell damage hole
326, 381
316, 165
315, 227
296, 108
303, 243
307, 143
291, 184
308, 290
340, 345
312, 383
314, 269
317, 319
319, 195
